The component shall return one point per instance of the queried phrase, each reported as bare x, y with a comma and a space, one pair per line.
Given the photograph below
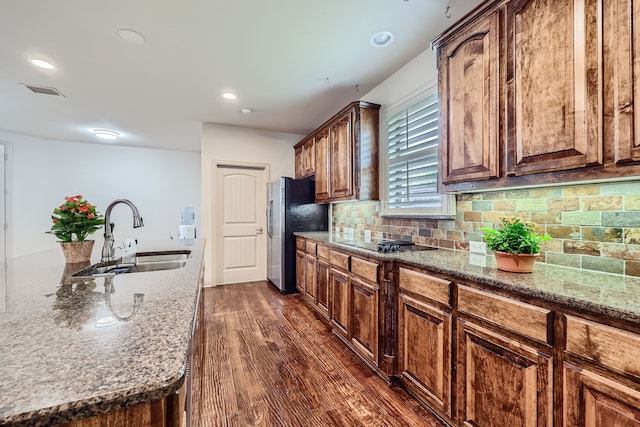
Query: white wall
41, 172
415, 75
238, 145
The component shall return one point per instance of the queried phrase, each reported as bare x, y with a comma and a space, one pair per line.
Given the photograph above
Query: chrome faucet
107, 248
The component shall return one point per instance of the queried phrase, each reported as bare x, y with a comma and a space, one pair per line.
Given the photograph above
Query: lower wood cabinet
300, 272
593, 400
323, 287
501, 381
311, 265
364, 319
424, 350
340, 290
601, 375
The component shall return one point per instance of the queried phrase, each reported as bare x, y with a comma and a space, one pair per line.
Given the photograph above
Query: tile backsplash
595, 226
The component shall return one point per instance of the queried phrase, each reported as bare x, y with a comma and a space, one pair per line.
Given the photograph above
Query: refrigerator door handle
269, 219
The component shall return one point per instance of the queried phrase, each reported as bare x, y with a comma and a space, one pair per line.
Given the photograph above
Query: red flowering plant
75, 217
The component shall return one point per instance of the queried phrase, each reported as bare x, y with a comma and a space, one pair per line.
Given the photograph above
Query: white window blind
412, 159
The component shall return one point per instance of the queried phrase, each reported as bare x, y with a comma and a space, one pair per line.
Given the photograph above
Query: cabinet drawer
300, 243
365, 269
323, 251
311, 247
339, 260
519, 317
606, 345
425, 285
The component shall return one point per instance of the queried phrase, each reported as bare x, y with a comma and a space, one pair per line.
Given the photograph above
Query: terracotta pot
515, 263
75, 252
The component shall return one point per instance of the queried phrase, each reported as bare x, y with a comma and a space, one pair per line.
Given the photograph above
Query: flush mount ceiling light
381, 39
130, 36
106, 134
42, 63
229, 95
247, 111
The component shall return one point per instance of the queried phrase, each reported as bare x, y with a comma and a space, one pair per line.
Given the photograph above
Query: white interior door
240, 208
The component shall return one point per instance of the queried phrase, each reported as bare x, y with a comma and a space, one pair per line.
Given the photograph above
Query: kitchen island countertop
58, 363
600, 293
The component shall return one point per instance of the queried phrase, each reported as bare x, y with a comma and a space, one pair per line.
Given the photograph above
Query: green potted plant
516, 245
73, 221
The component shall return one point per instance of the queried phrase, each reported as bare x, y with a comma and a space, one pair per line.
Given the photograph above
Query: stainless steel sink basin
144, 261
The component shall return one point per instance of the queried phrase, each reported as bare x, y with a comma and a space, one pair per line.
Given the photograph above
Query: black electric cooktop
387, 246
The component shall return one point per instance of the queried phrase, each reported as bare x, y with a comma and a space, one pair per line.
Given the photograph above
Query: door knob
259, 230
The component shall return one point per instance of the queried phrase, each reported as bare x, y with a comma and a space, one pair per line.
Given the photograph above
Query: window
411, 172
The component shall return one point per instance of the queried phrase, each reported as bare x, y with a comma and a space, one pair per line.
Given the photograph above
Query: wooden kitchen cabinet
323, 166
424, 338
323, 281
340, 289
364, 300
553, 82
621, 58
346, 152
311, 265
504, 361
469, 65
601, 375
538, 92
305, 158
301, 265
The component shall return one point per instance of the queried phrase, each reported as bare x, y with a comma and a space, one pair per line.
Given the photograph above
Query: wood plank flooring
270, 360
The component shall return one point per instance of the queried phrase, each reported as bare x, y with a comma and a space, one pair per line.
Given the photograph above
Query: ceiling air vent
43, 90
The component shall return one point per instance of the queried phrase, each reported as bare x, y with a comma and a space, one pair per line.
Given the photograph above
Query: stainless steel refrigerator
290, 207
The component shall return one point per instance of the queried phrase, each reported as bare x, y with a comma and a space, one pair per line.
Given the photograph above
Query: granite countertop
585, 290
57, 364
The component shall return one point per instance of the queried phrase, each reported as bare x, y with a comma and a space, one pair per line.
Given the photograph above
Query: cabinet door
310, 277
622, 71
501, 382
469, 71
340, 302
299, 162
591, 400
309, 157
554, 80
300, 272
342, 158
322, 287
323, 171
424, 351
364, 319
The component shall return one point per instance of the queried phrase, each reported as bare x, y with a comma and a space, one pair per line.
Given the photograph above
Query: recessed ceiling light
130, 36
381, 39
247, 111
229, 95
106, 134
41, 63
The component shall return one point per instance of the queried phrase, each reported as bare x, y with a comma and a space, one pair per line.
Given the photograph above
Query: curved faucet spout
107, 248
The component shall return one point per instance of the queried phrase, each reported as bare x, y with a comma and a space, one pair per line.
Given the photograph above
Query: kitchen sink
144, 261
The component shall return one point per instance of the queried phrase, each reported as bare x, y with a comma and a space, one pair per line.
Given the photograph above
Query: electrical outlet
367, 236
478, 247
478, 259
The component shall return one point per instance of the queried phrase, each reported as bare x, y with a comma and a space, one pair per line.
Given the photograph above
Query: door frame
216, 200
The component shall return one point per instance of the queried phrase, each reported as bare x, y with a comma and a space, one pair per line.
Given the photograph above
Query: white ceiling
276, 55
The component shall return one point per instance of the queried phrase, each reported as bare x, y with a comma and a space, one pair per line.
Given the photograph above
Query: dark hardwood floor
271, 361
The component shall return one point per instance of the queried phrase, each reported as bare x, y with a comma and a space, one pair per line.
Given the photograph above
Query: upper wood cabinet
323, 171
305, 160
468, 82
346, 155
538, 92
622, 69
553, 83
